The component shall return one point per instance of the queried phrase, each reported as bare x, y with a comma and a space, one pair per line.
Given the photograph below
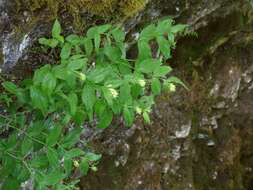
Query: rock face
200, 139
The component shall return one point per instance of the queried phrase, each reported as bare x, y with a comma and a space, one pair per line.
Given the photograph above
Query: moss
130, 8
105, 8
99, 7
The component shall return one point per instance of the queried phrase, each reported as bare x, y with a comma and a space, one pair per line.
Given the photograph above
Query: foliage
93, 81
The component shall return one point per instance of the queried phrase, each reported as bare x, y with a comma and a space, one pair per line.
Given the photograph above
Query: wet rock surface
199, 139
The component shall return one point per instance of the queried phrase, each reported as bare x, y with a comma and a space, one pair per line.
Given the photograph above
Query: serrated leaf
93, 157
60, 72
118, 34
148, 65
164, 47
39, 100
108, 95
103, 28
156, 86
73, 101
68, 165
88, 46
73, 39
105, 119
49, 83
56, 28
125, 94
26, 146
89, 96
40, 161
178, 28
128, 116
84, 166
10, 87
97, 40
54, 177
54, 135
164, 26
162, 71
148, 32
52, 156
76, 64
79, 117
56, 31
75, 152
10, 184
144, 50
48, 42
72, 137
146, 117
66, 51
98, 75
40, 74
176, 81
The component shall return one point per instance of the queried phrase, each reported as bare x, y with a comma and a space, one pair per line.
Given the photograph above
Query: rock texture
199, 139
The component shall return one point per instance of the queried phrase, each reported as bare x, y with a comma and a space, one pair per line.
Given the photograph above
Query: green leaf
49, 83
68, 166
97, 40
54, 177
84, 166
144, 50
156, 86
93, 157
125, 93
148, 65
98, 75
148, 33
26, 146
77, 63
146, 117
48, 42
39, 161
79, 117
73, 39
88, 46
103, 28
54, 135
178, 28
75, 152
10, 184
73, 101
128, 116
60, 72
40, 74
23, 174
39, 100
118, 34
162, 71
52, 156
105, 119
164, 47
89, 96
108, 95
176, 81
66, 51
164, 26
56, 28
113, 53
10, 87
56, 31
72, 137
